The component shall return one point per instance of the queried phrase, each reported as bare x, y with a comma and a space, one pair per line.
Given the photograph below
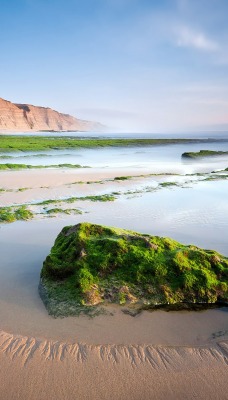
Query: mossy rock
204, 153
90, 265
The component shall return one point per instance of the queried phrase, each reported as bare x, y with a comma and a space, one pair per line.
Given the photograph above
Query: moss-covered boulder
91, 265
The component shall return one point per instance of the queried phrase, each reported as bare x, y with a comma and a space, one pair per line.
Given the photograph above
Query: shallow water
156, 159
23, 248
130, 135
197, 214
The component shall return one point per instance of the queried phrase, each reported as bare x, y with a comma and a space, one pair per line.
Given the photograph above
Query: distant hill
26, 117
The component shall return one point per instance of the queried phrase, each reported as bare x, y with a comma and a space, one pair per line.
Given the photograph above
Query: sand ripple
157, 357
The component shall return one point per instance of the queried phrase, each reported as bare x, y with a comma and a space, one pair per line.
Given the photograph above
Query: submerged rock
91, 265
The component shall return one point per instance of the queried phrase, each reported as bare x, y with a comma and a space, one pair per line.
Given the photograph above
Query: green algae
22, 213
23, 189
17, 167
12, 214
122, 178
204, 153
67, 211
168, 184
102, 198
91, 265
24, 143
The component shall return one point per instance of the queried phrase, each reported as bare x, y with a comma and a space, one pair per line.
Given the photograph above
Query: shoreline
160, 328
160, 355
28, 187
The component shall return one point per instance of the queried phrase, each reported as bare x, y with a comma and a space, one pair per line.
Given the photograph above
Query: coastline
159, 355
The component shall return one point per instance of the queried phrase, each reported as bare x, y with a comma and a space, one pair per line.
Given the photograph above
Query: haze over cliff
26, 117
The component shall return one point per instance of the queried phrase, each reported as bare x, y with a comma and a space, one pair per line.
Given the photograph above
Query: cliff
26, 117
91, 265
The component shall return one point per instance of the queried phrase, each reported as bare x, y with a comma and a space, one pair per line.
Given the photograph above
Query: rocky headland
26, 117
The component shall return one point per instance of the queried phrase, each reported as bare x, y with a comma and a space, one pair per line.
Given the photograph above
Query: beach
113, 200
110, 372
154, 355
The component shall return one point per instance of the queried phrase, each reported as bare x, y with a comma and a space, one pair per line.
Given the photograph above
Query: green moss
216, 177
9, 166
168, 184
49, 201
204, 153
85, 279
22, 189
68, 211
6, 215
122, 178
38, 143
22, 213
102, 197
12, 214
122, 298
92, 264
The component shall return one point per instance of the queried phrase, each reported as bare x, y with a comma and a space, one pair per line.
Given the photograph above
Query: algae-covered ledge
204, 153
92, 265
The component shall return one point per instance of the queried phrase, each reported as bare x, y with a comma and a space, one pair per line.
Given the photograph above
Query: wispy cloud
187, 37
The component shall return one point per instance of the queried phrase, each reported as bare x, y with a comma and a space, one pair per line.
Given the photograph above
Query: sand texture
57, 370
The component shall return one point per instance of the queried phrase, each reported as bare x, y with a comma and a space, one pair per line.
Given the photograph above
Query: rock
92, 264
82, 253
215, 259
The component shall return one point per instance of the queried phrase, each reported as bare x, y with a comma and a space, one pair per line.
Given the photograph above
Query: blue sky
136, 65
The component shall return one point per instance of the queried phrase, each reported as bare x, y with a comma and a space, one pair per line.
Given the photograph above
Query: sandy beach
57, 183
155, 355
114, 200
34, 369
151, 356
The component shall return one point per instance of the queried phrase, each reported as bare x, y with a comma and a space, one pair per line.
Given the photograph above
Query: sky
133, 65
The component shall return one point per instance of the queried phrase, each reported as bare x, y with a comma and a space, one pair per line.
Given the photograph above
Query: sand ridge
157, 357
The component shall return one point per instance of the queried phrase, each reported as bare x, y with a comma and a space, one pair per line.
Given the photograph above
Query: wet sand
32, 369
111, 372
55, 184
155, 355
58, 177
159, 355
